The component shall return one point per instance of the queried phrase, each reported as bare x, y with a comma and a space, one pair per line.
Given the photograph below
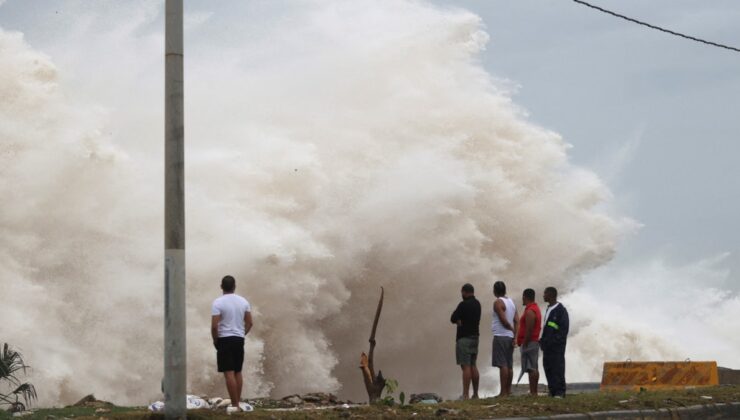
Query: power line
668, 31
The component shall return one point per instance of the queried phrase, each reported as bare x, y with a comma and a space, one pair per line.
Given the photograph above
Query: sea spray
361, 146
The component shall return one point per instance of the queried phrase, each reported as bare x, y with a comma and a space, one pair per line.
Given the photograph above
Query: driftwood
373, 384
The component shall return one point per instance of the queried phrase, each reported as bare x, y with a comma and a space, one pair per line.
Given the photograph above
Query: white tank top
497, 327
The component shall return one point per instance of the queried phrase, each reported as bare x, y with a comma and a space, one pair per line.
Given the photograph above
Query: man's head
528, 296
499, 289
467, 290
228, 284
551, 295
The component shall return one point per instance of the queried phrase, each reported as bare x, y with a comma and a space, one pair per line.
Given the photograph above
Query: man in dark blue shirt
467, 319
553, 341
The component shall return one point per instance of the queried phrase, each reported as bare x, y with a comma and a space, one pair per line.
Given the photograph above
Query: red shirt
523, 325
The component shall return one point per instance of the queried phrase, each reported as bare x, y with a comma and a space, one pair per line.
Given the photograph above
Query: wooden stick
373, 384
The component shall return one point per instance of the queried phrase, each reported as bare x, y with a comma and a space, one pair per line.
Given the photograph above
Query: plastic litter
192, 402
156, 406
225, 402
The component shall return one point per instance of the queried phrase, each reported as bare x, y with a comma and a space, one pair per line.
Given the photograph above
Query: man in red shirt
528, 338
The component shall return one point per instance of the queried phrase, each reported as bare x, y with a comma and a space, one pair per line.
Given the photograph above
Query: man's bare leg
509, 380
503, 377
239, 383
231, 387
475, 376
502, 381
466, 376
534, 381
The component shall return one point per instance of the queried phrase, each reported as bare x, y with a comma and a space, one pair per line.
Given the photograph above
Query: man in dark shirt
467, 318
553, 341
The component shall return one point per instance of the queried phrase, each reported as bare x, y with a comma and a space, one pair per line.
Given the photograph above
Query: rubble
309, 400
91, 402
293, 399
425, 397
447, 412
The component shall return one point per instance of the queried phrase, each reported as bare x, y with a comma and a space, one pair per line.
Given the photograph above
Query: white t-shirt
232, 308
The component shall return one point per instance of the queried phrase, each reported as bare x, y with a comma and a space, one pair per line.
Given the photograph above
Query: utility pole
175, 354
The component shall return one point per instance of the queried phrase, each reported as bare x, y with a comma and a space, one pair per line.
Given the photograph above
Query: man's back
231, 307
468, 312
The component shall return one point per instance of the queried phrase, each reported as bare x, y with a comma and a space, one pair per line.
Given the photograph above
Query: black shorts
230, 354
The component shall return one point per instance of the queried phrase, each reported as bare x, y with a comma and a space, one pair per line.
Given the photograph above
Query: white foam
364, 146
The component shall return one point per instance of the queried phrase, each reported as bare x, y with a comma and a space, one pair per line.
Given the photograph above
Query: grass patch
484, 408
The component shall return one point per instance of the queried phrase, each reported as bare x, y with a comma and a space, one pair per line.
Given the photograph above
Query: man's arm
516, 325
564, 324
455, 318
500, 309
247, 322
215, 319
529, 319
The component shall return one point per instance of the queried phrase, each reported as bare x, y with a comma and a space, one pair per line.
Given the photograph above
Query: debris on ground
295, 401
91, 402
313, 399
194, 402
447, 412
425, 398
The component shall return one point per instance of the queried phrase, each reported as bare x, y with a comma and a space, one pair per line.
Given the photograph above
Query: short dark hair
551, 290
228, 284
467, 287
499, 288
529, 294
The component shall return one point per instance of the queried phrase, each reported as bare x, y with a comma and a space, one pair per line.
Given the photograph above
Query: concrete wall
728, 376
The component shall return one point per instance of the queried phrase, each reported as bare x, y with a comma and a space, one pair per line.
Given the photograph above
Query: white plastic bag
156, 406
195, 402
192, 402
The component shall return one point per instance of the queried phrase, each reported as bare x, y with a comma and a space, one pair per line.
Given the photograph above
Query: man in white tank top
504, 330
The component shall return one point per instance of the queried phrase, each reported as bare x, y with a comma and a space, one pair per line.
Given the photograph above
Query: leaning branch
373, 384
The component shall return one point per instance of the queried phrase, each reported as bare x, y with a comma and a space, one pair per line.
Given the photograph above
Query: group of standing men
528, 332
231, 321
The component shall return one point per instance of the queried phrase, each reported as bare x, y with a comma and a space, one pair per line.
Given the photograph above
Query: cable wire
703, 41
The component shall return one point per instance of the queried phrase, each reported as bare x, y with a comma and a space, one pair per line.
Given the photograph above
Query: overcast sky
654, 115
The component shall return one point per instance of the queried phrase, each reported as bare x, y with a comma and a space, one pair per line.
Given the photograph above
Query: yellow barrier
621, 376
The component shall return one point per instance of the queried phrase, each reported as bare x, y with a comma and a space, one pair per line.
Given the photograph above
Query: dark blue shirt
555, 330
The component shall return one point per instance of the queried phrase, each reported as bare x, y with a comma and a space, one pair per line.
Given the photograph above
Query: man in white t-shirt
231, 320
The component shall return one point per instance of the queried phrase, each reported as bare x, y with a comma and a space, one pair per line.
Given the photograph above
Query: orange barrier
622, 376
